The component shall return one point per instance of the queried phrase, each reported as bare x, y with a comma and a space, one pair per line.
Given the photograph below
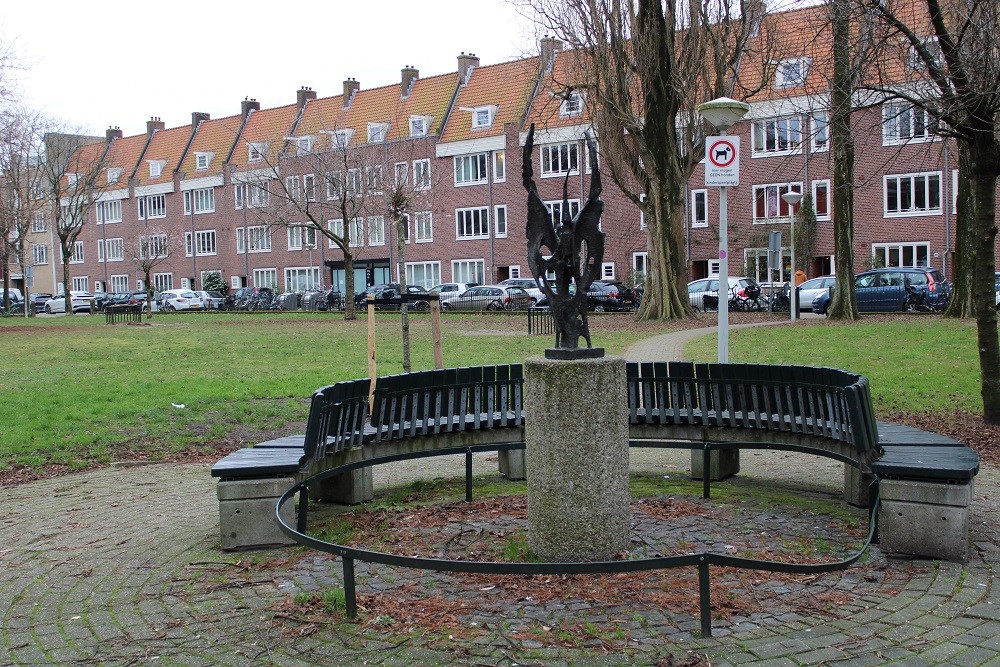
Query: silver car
812, 288
489, 297
698, 289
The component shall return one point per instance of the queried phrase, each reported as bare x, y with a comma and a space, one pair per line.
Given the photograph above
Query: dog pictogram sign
722, 160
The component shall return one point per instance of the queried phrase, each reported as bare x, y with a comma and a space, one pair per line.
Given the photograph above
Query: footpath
121, 566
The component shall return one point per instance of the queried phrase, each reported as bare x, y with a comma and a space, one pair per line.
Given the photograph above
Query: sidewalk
120, 566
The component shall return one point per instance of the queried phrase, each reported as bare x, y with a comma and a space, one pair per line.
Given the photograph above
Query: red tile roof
508, 86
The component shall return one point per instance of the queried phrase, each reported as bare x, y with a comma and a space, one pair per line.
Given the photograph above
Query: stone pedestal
246, 513
857, 486
576, 435
350, 488
512, 464
926, 519
722, 463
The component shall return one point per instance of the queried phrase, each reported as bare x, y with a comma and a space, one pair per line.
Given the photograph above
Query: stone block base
925, 519
857, 486
246, 513
721, 464
350, 488
512, 464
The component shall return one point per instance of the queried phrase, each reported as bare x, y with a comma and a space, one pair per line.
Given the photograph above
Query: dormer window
304, 145
156, 168
916, 62
72, 178
377, 132
202, 160
114, 174
255, 153
419, 125
342, 138
572, 105
791, 73
483, 117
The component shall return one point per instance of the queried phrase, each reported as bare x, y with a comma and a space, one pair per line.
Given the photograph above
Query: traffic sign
722, 160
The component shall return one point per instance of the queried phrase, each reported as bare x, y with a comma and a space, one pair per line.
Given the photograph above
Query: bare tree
73, 173
643, 67
149, 250
943, 56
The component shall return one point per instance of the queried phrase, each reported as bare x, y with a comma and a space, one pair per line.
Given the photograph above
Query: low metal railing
124, 313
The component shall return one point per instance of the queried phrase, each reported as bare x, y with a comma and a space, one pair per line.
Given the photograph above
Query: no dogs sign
722, 160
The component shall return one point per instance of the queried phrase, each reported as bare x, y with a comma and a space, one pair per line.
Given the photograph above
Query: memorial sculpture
570, 247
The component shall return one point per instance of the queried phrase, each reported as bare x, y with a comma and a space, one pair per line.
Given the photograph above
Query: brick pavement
120, 566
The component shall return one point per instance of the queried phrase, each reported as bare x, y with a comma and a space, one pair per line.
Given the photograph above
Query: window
419, 125
560, 159
472, 223
155, 246
186, 283
336, 228
916, 63
241, 240
119, 283
482, 117
202, 160
912, 194
774, 136
468, 271
265, 278
954, 190
109, 211
188, 244
77, 256
470, 169
377, 132
821, 199
421, 174
38, 222
39, 254
252, 195
342, 138
558, 211
114, 250
354, 184
572, 105
639, 261
376, 230
373, 179
514, 271
768, 204
334, 185
152, 206
903, 123
901, 254
608, 270
301, 237
114, 174
402, 174
791, 72
699, 208
163, 281
423, 226
80, 283
500, 221
423, 274
499, 166
293, 188
140, 284
303, 145
100, 250
642, 213
204, 242
258, 239
357, 229
204, 201
820, 132
156, 168
255, 153
300, 279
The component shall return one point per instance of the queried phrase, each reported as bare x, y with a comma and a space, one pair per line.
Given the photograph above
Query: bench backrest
825, 402
448, 400
337, 417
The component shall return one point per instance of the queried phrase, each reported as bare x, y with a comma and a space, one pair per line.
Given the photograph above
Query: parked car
14, 294
211, 300
451, 289
603, 297
38, 300
884, 290
391, 291
81, 302
527, 284
632, 296
489, 297
698, 289
812, 288
179, 299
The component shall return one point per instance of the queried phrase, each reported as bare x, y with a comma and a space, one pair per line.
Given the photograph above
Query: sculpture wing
538, 228
588, 229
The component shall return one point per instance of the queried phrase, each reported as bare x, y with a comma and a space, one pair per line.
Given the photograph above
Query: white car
211, 300
528, 285
180, 299
81, 302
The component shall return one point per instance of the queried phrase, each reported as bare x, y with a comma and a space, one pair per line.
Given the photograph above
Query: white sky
116, 63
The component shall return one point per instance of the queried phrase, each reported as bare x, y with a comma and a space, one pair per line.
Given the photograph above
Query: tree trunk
963, 264
665, 291
149, 293
843, 303
67, 297
404, 310
350, 312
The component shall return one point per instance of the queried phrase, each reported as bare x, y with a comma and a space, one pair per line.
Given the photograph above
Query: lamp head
792, 198
723, 112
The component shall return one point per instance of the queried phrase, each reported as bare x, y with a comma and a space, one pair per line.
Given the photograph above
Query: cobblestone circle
121, 566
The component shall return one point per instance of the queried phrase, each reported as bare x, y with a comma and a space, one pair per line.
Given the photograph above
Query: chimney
409, 75
548, 47
113, 133
351, 86
154, 124
197, 117
465, 64
247, 105
304, 94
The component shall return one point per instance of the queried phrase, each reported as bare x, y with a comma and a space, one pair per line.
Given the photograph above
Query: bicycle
782, 301
916, 301
746, 299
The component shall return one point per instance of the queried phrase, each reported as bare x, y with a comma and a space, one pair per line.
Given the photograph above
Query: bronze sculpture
568, 241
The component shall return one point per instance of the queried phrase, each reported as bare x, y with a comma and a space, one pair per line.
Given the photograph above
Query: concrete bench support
246, 513
512, 464
928, 519
351, 488
722, 464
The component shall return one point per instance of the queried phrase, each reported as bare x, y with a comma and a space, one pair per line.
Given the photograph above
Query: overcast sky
115, 63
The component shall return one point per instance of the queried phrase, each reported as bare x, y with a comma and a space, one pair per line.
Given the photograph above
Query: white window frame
571, 105
357, 229
309, 187
701, 194
430, 272
422, 174
303, 145
640, 262
39, 254
816, 185
642, 213
163, 281
608, 270
258, 239
556, 205
255, 152
77, 256
204, 201
38, 222
114, 174
423, 226
904, 123
926, 178
205, 243
153, 247
900, 250
114, 250
402, 173
500, 221
483, 116
419, 126
377, 132
499, 166
81, 283
293, 188
265, 278
558, 160
780, 135
376, 230
781, 214
336, 228
109, 212
819, 137
472, 169
156, 168
791, 72
301, 278
151, 207
119, 283
468, 270
472, 223
241, 240
202, 160
100, 251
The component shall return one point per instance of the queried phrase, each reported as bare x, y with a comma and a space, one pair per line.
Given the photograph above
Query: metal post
303, 512
350, 597
468, 475
705, 598
706, 472
723, 274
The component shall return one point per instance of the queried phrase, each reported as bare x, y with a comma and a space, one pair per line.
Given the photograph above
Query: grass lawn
78, 392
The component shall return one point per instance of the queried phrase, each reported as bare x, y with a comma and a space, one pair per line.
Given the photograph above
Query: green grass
78, 392
918, 364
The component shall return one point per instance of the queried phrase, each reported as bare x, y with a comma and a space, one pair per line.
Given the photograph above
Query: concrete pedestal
350, 488
857, 486
512, 464
577, 453
926, 519
722, 463
246, 513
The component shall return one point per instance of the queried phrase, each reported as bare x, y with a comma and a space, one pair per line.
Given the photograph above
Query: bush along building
335, 191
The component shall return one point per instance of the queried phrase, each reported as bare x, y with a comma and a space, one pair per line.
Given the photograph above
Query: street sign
722, 160
774, 250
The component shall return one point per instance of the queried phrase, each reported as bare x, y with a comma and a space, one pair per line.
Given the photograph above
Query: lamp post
311, 247
722, 113
792, 199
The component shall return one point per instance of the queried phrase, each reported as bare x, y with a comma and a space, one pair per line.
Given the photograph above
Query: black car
391, 291
603, 297
38, 300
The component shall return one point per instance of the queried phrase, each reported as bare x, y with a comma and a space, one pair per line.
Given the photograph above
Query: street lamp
792, 199
312, 281
722, 113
